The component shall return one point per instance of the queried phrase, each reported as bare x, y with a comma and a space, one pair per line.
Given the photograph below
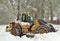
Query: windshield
26, 18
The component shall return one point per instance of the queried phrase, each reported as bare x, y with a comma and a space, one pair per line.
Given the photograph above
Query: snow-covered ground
6, 36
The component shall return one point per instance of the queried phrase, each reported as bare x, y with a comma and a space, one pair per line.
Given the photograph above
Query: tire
42, 29
52, 28
16, 31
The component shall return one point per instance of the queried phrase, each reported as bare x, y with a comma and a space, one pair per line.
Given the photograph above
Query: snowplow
28, 27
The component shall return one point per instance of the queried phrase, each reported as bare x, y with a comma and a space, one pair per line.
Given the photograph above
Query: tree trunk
51, 16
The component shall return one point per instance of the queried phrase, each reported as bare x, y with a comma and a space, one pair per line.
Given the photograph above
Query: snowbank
6, 36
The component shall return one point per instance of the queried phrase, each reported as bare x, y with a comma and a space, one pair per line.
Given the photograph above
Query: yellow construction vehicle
29, 27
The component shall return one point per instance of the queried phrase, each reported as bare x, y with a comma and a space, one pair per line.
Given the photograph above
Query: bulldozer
29, 27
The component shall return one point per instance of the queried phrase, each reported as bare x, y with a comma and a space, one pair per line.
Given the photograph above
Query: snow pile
22, 23
25, 23
6, 36
55, 18
49, 37
56, 26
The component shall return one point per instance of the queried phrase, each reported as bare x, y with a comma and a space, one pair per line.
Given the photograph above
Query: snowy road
6, 36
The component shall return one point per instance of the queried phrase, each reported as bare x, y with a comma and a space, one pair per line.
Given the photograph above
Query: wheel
52, 28
17, 31
42, 29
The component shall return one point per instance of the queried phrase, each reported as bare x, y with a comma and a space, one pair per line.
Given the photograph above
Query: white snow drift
6, 36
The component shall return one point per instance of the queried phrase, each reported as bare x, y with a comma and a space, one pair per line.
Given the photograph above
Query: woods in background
40, 9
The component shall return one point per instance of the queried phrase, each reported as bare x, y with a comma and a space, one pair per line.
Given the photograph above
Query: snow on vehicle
28, 27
